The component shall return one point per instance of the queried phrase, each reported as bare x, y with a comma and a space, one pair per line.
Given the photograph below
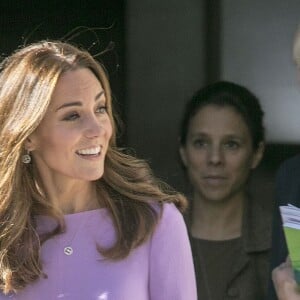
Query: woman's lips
214, 180
91, 153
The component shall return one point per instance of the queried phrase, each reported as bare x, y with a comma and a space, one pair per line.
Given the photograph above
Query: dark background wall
165, 64
175, 47
23, 22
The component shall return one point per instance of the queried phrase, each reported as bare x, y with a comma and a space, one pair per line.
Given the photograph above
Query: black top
213, 265
248, 277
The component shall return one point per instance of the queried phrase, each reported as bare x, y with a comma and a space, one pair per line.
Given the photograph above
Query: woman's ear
258, 155
29, 144
183, 155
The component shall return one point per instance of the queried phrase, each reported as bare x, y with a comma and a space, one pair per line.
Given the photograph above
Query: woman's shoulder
289, 166
170, 257
257, 225
287, 184
169, 211
171, 220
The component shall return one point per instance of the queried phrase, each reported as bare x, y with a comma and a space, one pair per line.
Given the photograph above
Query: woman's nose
215, 155
93, 127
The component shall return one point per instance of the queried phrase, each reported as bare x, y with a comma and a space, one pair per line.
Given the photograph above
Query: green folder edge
292, 236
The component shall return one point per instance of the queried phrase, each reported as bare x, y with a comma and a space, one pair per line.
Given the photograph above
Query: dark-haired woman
221, 142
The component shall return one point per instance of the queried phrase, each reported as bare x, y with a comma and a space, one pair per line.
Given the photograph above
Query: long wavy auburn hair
128, 189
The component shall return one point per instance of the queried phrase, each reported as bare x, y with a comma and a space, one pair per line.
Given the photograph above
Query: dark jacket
287, 190
248, 279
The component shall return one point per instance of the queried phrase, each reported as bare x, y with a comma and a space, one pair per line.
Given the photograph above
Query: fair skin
218, 157
284, 282
70, 144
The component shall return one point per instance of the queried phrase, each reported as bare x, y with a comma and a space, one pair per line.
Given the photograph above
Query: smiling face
73, 138
219, 154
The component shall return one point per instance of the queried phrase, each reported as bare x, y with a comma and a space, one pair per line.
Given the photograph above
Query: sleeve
287, 190
172, 275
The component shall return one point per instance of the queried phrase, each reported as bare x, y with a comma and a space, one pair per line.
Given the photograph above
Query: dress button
232, 292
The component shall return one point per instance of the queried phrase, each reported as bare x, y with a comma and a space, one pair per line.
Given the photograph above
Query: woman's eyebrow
78, 103
99, 95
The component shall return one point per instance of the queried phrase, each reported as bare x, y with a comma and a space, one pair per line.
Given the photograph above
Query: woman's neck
73, 197
212, 220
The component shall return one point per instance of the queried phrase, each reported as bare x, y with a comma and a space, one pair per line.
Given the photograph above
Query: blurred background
158, 53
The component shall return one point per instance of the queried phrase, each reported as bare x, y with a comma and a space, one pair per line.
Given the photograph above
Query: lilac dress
160, 269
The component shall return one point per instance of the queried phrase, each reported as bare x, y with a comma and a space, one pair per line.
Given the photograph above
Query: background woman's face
73, 138
218, 154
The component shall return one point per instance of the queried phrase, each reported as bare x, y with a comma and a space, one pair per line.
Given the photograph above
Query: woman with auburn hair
79, 218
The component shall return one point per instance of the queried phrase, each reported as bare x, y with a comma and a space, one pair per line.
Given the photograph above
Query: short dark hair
225, 93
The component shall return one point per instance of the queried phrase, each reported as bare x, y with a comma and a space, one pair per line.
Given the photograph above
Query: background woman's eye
199, 143
71, 117
232, 145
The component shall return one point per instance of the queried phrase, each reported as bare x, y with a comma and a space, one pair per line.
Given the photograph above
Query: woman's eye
199, 143
232, 145
101, 109
71, 117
